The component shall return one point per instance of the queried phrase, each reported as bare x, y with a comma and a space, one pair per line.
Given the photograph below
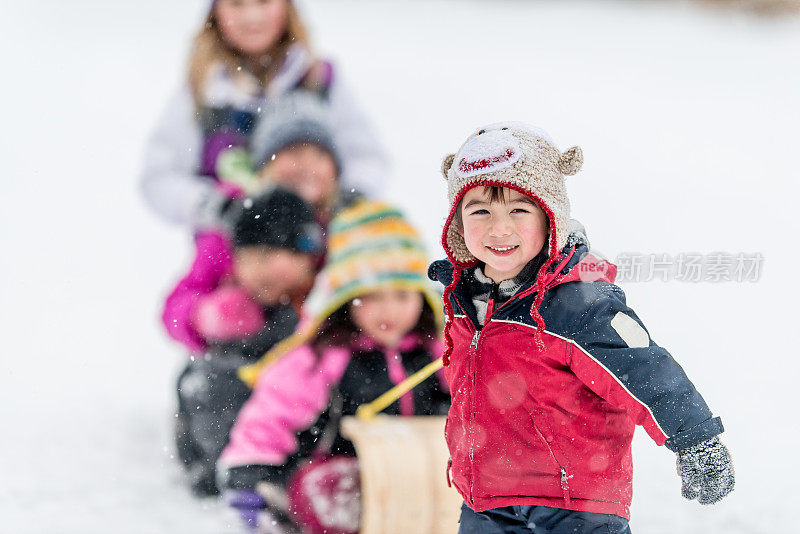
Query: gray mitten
706, 471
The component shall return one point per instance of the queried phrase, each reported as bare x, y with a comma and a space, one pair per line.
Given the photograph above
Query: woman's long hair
210, 49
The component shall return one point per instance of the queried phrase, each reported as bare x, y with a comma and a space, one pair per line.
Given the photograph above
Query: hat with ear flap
517, 156
520, 157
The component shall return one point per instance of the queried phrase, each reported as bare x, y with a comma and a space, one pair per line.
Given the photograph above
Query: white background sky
688, 121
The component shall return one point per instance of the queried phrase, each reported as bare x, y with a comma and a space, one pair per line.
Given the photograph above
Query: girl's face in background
272, 275
307, 170
252, 27
387, 315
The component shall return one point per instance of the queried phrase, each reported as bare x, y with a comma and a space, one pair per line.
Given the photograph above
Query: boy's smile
505, 234
502, 251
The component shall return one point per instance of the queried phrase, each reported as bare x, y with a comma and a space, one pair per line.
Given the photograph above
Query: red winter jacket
554, 428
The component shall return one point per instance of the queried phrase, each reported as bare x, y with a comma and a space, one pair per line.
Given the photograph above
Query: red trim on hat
469, 166
542, 279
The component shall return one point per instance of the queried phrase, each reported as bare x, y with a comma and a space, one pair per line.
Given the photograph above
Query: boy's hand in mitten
226, 314
249, 504
706, 471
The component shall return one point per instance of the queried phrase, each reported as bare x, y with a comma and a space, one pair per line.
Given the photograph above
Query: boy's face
273, 275
505, 235
387, 315
306, 169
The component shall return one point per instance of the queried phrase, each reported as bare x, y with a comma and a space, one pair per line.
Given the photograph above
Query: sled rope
367, 411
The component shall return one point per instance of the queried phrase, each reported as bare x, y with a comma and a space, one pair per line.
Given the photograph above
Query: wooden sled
403, 486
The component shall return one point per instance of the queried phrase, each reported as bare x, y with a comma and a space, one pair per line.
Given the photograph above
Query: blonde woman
247, 54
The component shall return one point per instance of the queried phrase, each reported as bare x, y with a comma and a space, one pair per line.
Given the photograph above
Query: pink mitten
226, 314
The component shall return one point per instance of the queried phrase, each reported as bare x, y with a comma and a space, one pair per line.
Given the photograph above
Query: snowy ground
688, 120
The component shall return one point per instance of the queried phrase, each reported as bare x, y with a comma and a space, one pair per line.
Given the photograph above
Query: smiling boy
550, 371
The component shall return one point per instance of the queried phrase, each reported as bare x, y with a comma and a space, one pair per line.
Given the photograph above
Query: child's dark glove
280, 325
219, 209
706, 471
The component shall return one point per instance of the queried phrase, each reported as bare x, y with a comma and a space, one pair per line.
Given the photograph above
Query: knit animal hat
300, 116
371, 247
517, 156
520, 157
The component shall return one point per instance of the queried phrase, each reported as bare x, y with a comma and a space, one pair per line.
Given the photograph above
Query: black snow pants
539, 520
210, 396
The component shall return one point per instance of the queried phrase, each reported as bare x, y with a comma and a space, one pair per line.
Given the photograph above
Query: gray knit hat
300, 116
518, 156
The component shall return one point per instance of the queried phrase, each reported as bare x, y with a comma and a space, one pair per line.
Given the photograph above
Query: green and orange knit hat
371, 247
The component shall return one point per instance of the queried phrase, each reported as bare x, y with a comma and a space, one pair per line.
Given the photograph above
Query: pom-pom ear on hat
571, 161
447, 162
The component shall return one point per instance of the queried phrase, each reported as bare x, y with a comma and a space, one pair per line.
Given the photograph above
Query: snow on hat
371, 247
278, 218
520, 157
300, 116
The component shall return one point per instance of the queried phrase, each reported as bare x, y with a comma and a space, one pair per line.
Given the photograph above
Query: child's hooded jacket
546, 396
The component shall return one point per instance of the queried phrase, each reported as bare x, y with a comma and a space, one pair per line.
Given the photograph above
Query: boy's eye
519, 210
479, 212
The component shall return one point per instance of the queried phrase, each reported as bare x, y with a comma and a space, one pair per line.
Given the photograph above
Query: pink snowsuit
213, 263
290, 395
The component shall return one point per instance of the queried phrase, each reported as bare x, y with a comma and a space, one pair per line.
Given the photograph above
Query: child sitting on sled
293, 147
549, 369
228, 312
370, 321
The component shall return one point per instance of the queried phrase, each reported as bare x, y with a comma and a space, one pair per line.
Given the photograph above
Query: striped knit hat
371, 247
520, 157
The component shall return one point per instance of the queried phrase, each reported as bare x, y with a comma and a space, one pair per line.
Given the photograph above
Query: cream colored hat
518, 156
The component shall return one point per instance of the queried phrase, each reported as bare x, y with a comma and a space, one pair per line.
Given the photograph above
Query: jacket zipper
474, 345
565, 485
564, 475
476, 338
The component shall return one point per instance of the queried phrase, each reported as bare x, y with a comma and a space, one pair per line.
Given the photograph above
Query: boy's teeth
501, 249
